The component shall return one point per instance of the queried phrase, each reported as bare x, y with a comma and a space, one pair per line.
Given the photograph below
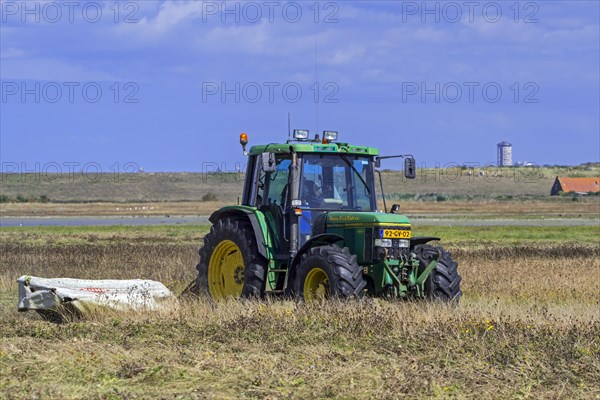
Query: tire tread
240, 232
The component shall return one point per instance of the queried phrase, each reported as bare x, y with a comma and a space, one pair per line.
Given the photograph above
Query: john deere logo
344, 218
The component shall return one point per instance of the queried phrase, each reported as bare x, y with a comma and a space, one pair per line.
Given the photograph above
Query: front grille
397, 252
394, 253
400, 249
368, 256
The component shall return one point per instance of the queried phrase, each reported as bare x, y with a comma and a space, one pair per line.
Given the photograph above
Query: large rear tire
328, 271
443, 283
230, 264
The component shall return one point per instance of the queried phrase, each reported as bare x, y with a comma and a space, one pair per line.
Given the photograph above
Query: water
203, 220
102, 221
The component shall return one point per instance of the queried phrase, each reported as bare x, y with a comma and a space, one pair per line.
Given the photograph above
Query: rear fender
256, 219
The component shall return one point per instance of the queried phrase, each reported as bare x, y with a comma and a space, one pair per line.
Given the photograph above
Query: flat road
203, 220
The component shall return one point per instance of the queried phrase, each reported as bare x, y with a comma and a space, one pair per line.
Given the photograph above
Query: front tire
230, 265
443, 283
329, 271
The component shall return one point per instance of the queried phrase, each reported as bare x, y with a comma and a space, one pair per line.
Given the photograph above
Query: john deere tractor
308, 226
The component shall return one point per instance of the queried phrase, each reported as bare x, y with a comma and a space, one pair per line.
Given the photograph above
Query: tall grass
528, 326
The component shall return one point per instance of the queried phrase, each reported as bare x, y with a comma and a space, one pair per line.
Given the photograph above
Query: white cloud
172, 14
46, 69
169, 16
348, 55
236, 39
369, 45
12, 52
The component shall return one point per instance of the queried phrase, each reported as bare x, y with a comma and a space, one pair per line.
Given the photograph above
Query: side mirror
410, 168
395, 208
377, 162
268, 162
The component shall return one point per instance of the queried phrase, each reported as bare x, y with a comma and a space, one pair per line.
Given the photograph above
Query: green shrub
210, 196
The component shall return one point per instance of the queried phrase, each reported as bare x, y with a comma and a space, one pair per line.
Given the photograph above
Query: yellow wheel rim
316, 285
226, 271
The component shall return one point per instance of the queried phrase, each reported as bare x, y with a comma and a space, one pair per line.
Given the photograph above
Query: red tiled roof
580, 185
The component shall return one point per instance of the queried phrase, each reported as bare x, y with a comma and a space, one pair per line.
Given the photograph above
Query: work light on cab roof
302, 135
299, 135
329, 136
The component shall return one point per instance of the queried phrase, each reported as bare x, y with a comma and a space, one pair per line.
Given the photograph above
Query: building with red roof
576, 185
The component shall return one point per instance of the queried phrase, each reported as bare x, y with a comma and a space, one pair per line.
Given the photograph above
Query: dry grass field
528, 326
489, 183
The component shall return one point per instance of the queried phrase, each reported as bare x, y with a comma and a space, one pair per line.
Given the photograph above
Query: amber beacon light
244, 142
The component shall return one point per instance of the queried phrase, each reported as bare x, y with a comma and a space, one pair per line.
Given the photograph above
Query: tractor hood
364, 219
365, 232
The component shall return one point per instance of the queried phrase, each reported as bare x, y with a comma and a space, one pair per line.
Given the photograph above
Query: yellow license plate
394, 233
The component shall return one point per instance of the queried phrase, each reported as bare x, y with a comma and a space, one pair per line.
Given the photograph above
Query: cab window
272, 186
334, 182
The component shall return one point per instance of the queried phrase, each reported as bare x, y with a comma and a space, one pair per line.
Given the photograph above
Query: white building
504, 154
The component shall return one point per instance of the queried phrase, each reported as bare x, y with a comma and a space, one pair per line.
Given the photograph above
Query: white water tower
504, 154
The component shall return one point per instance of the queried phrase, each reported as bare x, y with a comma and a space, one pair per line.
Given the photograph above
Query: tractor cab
322, 180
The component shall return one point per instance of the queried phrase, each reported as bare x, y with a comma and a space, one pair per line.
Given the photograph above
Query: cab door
272, 199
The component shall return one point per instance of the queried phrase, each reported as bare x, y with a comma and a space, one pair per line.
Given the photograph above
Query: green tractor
309, 227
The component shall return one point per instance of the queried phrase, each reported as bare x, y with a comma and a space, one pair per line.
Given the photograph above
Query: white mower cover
51, 294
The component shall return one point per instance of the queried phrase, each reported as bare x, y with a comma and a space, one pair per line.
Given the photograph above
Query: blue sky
169, 85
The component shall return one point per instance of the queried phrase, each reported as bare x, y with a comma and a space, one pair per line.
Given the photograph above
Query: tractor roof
314, 147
